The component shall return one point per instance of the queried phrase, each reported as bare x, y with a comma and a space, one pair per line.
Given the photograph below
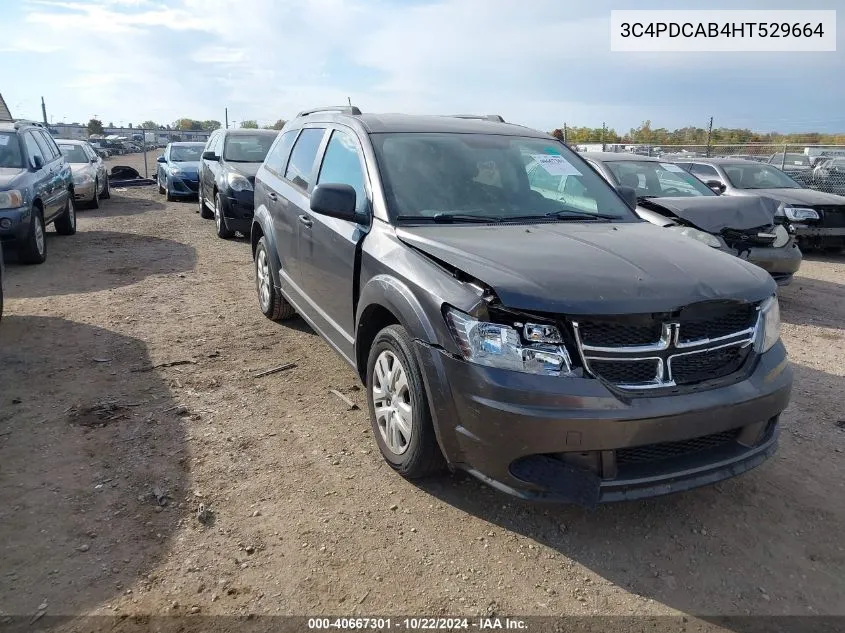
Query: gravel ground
131, 487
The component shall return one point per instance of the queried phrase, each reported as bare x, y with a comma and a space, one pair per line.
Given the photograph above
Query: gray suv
556, 349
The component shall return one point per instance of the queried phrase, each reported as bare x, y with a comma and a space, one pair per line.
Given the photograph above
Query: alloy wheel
392, 402
262, 270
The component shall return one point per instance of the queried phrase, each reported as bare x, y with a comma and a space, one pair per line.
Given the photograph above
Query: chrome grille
700, 342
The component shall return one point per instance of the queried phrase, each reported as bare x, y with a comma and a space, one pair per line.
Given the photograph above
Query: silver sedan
90, 178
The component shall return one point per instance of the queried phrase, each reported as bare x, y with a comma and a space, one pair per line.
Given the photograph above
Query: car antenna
349, 99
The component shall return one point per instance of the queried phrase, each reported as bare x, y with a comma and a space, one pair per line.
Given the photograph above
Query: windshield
657, 180
792, 160
74, 153
10, 151
186, 153
758, 177
242, 148
490, 178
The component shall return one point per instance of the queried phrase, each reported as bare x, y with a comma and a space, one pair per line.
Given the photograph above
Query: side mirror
161, 159
629, 195
716, 186
37, 162
94, 160
210, 156
335, 201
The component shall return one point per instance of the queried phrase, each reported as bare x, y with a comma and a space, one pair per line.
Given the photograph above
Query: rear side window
33, 149
277, 158
342, 165
303, 155
51, 144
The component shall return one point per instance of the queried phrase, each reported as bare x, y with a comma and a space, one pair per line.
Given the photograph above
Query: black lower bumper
574, 440
238, 211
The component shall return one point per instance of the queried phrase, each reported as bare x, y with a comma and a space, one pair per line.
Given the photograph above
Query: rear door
327, 246
62, 173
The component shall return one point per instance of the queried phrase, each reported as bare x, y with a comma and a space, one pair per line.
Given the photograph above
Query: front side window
791, 160
10, 151
51, 145
302, 158
33, 149
74, 153
247, 148
758, 176
342, 165
491, 178
46, 154
657, 180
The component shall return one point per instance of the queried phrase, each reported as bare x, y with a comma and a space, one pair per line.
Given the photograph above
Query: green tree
95, 126
250, 124
150, 125
210, 125
278, 125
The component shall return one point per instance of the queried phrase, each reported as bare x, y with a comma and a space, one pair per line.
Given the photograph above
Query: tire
273, 305
223, 231
33, 250
66, 223
158, 180
95, 201
106, 193
414, 452
205, 212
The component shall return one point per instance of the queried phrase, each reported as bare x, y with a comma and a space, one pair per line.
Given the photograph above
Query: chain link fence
820, 167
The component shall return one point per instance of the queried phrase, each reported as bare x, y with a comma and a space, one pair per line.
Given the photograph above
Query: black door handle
272, 196
306, 220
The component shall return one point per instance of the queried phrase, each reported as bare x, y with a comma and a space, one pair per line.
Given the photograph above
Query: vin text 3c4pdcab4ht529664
556, 348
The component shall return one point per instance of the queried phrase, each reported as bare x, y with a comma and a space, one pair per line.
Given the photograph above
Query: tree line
95, 126
646, 134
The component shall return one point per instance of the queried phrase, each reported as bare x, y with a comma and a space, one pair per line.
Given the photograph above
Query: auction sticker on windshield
671, 167
556, 165
4, 139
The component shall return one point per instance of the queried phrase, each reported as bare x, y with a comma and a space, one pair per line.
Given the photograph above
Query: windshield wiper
450, 218
572, 214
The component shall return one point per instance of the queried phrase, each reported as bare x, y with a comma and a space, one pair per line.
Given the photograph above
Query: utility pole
709, 137
227, 118
43, 110
603, 131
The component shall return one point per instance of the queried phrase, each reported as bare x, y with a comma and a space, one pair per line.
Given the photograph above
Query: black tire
106, 192
422, 456
167, 195
66, 223
222, 230
29, 251
205, 212
158, 180
273, 305
95, 201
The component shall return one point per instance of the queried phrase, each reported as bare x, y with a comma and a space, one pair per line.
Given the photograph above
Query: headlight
238, 182
701, 236
769, 325
82, 178
797, 214
175, 171
781, 236
501, 346
11, 199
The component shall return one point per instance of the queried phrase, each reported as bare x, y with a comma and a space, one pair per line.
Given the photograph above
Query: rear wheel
33, 250
270, 300
66, 222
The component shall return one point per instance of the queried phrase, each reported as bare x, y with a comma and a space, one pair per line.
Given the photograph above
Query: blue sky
540, 63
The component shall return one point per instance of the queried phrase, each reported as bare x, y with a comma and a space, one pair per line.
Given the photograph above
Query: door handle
272, 196
306, 220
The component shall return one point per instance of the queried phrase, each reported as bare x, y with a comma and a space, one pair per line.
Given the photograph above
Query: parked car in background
227, 172
36, 189
177, 172
818, 217
90, 177
796, 165
829, 175
670, 197
102, 152
556, 351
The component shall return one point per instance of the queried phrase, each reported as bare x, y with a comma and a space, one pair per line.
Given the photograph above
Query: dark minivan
226, 175
554, 350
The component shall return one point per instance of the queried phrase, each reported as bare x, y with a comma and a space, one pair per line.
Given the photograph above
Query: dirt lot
106, 457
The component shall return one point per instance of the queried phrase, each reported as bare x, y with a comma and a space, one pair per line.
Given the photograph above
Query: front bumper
820, 236
781, 263
83, 191
183, 185
238, 209
574, 440
19, 227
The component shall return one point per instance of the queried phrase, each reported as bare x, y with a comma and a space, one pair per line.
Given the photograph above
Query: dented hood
714, 213
591, 268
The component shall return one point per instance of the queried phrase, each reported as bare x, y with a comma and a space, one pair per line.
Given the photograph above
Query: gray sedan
90, 179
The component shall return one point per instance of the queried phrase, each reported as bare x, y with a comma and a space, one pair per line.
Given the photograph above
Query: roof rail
342, 109
484, 117
20, 122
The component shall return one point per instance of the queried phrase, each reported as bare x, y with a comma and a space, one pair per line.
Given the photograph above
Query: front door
44, 183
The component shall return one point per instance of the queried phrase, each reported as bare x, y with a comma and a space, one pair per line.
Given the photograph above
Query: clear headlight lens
701, 236
501, 346
781, 236
11, 199
238, 182
797, 214
175, 171
82, 178
769, 325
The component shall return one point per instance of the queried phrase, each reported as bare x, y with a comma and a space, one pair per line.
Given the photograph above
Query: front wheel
66, 223
158, 180
33, 250
398, 405
273, 305
95, 200
223, 231
106, 193
205, 213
